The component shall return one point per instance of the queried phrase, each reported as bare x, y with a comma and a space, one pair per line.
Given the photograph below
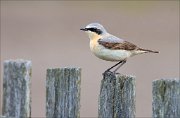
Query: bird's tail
146, 50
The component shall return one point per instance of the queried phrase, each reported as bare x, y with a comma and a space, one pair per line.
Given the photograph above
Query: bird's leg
108, 70
123, 62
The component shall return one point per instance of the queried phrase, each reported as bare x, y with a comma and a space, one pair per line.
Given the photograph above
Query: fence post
166, 98
16, 88
63, 93
2, 116
117, 96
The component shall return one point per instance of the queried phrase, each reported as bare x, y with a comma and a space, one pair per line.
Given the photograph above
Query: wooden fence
116, 98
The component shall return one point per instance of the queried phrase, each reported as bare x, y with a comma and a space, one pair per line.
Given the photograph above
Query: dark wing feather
118, 45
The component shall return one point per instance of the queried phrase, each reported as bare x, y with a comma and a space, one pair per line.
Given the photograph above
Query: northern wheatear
111, 48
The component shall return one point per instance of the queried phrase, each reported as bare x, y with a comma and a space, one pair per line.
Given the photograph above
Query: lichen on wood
63, 92
16, 88
166, 98
117, 96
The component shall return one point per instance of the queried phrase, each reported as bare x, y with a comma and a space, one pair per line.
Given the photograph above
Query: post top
65, 68
167, 80
18, 62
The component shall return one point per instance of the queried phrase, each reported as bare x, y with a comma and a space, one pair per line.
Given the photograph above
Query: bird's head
94, 29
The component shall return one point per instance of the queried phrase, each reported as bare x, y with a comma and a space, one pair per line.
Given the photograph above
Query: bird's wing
114, 43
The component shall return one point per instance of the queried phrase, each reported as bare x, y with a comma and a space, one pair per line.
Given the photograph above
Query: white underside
110, 55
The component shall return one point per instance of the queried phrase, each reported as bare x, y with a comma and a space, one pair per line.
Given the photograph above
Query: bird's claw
107, 72
110, 72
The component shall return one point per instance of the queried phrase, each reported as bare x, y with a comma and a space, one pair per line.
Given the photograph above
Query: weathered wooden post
117, 96
166, 98
63, 93
2, 116
16, 89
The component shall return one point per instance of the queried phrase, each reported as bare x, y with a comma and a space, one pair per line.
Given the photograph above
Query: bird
111, 48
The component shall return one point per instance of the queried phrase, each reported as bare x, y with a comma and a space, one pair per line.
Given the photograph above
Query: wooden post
16, 88
166, 98
63, 93
2, 116
117, 96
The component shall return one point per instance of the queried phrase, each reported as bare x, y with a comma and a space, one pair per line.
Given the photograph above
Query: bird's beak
83, 29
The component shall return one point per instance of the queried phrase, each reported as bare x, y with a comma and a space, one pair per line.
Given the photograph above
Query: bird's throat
93, 36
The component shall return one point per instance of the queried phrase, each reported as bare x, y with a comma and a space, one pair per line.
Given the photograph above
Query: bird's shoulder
111, 39
115, 43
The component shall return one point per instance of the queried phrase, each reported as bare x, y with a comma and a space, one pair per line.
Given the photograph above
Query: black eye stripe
98, 31
92, 29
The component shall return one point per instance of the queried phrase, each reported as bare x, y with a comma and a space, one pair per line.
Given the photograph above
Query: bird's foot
110, 72
107, 72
